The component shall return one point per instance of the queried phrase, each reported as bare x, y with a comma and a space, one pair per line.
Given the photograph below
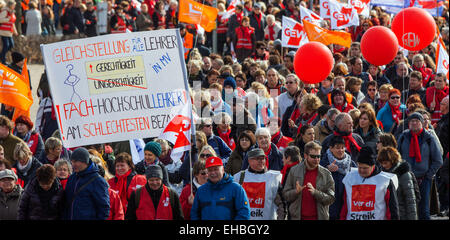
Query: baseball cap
213, 161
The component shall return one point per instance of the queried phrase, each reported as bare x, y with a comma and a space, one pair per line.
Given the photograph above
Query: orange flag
196, 13
325, 36
15, 90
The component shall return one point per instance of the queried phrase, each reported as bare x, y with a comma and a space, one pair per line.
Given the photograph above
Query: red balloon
379, 45
313, 62
414, 27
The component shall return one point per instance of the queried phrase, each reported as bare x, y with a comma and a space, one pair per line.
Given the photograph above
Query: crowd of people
366, 143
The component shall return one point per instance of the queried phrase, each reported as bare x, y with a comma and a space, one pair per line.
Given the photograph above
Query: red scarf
272, 32
122, 186
225, 136
295, 114
426, 75
258, 19
239, 17
267, 156
414, 149
349, 139
396, 113
284, 170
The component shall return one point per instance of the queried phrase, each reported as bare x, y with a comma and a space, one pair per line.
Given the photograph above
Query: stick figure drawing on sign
72, 80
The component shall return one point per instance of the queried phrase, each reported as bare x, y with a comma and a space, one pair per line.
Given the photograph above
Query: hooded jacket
9, 203
407, 205
224, 200
92, 203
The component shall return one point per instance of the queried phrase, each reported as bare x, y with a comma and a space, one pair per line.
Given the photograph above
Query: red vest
137, 182
244, 37
8, 26
222, 26
33, 142
122, 26
146, 210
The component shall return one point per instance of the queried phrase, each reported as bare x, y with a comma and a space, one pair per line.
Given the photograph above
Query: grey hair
332, 111
340, 117
262, 132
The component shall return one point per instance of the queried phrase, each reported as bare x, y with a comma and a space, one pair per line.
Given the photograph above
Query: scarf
425, 75
225, 136
267, 156
272, 32
414, 149
239, 17
122, 186
344, 165
284, 170
348, 139
24, 169
258, 19
341, 108
396, 113
295, 114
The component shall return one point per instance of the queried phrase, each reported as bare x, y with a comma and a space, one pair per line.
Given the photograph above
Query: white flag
342, 16
310, 16
179, 131
231, 9
361, 6
325, 9
293, 35
442, 58
137, 150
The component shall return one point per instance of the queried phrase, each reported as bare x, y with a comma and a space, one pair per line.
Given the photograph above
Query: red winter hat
213, 161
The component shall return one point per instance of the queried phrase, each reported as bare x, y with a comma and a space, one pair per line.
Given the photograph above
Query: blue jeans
8, 44
424, 204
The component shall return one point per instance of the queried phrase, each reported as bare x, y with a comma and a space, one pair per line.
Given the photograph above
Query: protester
24, 130
246, 142
274, 156
422, 151
434, 96
126, 180
229, 201
154, 201
63, 171
309, 187
373, 190
200, 177
54, 151
152, 151
339, 163
42, 199
10, 194
261, 185
86, 192
391, 114
277, 136
368, 128
7, 140
26, 164
391, 161
7, 28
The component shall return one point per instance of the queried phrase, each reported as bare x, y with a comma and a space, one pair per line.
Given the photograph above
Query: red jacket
438, 96
116, 210
134, 181
281, 141
184, 200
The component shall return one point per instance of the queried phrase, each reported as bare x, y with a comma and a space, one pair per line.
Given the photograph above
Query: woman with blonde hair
26, 165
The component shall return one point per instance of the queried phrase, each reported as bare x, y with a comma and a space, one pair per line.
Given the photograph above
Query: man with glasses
286, 99
422, 151
261, 185
309, 188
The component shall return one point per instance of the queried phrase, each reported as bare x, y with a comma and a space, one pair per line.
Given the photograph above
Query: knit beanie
153, 147
154, 171
416, 115
81, 155
367, 156
229, 81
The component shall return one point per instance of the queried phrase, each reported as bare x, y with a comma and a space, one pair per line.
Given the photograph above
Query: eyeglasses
395, 97
314, 156
203, 173
371, 89
290, 82
205, 155
207, 125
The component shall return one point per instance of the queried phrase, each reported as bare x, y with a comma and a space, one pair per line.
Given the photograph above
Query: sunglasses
208, 125
395, 97
371, 89
203, 173
290, 82
203, 155
314, 156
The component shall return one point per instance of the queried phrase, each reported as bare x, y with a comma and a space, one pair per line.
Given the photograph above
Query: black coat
354, 152
37, 204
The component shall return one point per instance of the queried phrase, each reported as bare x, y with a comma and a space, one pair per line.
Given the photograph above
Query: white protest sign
116, 87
